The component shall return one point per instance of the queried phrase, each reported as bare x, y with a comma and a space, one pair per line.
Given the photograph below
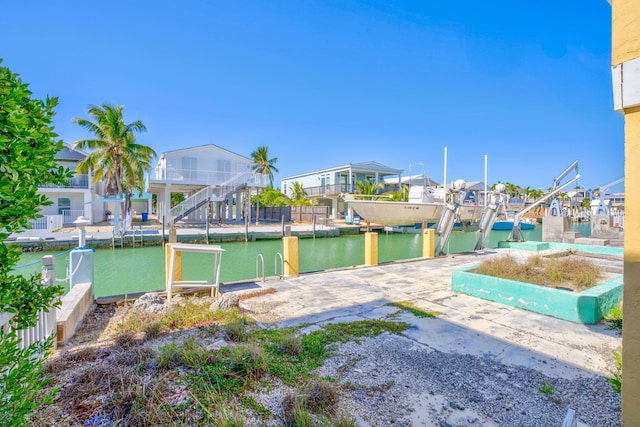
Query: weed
579, 274
290, 344
126, 340
416, 311
614, 318
546, 388
250, 360
236, 329
616, 381
169, 356
189, 315
152, 330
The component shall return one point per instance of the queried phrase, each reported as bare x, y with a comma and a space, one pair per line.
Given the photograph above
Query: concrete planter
586, 307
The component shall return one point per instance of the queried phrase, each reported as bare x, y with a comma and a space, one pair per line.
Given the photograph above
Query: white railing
71, 215
48, 223
46, 323
191, 202
210, 177
218, 192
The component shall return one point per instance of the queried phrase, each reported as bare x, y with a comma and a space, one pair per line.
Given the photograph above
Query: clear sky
326, 83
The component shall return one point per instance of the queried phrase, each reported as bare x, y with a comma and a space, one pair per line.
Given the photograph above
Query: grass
614, 318
416, 311
616, 380
180, 381
574, 273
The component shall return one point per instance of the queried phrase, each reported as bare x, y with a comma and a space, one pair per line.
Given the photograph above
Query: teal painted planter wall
540, 246
589, 306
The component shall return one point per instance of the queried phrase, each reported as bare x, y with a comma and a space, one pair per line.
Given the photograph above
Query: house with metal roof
327, 186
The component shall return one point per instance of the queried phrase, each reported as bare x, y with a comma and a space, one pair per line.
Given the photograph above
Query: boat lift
555, 208
603, 208
516, 233
449, 215
489, 216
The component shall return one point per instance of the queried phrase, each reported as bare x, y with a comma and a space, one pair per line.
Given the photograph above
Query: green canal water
130, 270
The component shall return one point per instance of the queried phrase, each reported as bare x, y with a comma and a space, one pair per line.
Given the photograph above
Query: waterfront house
327, 186
212, 178
73, 200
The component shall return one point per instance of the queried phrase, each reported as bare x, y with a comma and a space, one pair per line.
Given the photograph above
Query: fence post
48, 319
48, 270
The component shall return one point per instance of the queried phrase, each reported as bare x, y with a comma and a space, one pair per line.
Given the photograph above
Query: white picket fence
46, 323
48, 223
44, 328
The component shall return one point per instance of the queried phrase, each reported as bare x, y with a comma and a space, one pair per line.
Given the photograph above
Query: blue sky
325, 83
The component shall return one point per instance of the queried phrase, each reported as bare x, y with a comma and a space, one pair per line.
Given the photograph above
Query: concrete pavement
468, 325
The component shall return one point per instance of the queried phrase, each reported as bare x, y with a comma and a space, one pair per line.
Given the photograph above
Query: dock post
371, 248
290, 255
428, 242
177, 265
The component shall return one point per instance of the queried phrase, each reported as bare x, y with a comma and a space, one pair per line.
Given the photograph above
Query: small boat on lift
505, 221
422, 207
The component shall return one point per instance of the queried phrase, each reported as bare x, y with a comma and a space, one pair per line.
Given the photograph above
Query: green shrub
27, 161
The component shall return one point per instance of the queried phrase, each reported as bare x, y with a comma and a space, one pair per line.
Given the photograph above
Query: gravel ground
394, 381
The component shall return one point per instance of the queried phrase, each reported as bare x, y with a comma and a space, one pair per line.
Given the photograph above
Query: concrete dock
468, 325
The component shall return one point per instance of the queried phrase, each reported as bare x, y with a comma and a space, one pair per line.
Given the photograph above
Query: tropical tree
298, 193
401, 195
114, 154
366, 188
27, 161
264, 165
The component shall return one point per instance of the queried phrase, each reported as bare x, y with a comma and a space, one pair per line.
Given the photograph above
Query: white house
206, 173
326, 186
76, 199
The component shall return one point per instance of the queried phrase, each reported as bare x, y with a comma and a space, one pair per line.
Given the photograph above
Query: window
64, 204
189, 167
224, 170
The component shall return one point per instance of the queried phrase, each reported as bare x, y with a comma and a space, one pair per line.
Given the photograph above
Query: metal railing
215, 192
210, 177
71, 215
77, 181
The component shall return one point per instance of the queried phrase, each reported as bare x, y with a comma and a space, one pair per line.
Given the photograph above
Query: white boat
422, 206
505, 221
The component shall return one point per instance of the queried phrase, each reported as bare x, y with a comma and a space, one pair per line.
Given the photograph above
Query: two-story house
326, 186
76, 199
204, 174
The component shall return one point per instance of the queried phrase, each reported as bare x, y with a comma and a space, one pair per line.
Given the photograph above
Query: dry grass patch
576, 274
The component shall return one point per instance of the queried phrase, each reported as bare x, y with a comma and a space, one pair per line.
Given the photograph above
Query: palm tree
298, 192
264, 165
401, 195
114, 154
366, 188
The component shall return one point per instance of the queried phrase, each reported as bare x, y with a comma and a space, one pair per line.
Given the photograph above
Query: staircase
215, 193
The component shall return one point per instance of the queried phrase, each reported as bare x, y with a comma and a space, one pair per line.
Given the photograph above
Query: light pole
81, 223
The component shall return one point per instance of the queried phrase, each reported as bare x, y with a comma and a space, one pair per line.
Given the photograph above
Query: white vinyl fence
48, 223
46, 323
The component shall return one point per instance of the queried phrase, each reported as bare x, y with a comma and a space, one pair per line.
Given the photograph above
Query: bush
27, 161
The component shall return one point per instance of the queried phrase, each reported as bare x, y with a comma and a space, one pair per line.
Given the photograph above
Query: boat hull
409, 214
397, 213
508, 225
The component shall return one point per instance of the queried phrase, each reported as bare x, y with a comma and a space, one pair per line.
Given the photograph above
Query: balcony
78, 181
329, 190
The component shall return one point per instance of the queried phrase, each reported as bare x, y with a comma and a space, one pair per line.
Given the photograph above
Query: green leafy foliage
616, 380
27, 161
